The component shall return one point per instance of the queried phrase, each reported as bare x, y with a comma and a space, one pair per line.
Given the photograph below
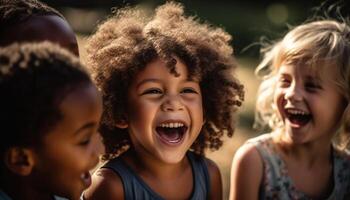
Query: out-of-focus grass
223, 156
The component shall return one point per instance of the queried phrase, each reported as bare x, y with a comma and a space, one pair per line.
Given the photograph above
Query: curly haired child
34, 21
304, 98
50, 113
169, 94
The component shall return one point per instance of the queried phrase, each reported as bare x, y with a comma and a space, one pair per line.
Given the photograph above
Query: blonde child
49, 116
304, 98
169, 94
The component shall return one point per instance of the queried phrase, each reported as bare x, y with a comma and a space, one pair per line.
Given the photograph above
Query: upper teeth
296, 112
171, 125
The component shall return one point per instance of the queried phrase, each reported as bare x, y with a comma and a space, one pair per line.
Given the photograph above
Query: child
305, 100
169, 94
34, 21
50, 111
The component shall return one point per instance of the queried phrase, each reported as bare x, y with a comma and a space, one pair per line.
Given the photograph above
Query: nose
294, 93
172, 103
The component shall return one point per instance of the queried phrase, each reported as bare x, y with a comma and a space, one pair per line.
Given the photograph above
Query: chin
74, 197
173, 159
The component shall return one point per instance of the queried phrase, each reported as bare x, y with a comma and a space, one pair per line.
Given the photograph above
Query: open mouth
86, 178
298, 117
171, 133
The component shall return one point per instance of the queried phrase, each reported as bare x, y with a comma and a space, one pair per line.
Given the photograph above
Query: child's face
310, 106
41, 28
165, 113
67, 153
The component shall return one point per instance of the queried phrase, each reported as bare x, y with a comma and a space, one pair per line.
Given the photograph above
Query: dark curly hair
125, 43
34, 79
16, 11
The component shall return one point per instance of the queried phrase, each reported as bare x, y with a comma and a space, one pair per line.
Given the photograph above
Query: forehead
41, 28
158, 68
81, 100
324, 71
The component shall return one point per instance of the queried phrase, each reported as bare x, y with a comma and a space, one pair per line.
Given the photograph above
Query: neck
145, 164
313, 153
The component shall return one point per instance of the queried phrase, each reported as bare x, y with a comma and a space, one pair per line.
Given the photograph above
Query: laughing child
169, 94
304, 98
50, 111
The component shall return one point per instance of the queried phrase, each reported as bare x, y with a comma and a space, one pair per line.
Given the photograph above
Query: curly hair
34, 79
15, 11
130, 39
317, 44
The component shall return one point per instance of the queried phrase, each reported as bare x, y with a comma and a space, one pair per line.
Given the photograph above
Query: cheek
278, 101
196, 109
140, 112
341, 108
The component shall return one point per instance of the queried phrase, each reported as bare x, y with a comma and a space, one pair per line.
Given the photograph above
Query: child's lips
86, 178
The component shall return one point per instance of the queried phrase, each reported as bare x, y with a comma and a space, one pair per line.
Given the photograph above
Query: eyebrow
147, 80
157, 81
313, 78
86, 126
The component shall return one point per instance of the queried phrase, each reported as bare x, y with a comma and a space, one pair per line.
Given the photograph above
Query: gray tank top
136, 188
276, 183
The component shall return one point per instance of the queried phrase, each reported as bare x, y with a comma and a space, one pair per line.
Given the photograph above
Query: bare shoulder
106, 184
246, 155
246, 173
215, 180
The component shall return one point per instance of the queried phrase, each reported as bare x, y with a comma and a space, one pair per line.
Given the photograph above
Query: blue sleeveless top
276, 183
136, 188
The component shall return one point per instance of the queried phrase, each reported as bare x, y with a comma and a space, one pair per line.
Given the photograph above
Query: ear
122, 124
19, 160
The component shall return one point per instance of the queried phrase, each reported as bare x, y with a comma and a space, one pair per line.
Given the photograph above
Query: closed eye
85, 142
152, 91
284, 82
86, 137
189, 90
312, 87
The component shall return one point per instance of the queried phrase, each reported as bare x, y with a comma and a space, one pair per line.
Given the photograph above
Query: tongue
299, 120
169, 134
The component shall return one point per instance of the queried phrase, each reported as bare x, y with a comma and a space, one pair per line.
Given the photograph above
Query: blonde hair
324, 43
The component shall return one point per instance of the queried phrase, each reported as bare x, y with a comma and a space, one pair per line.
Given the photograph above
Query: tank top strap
341, 165
201, 176
134, 187
274, 183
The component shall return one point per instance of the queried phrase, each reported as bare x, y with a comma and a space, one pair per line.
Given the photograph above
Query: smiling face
165, 113
310, 106
70, 150
41, 28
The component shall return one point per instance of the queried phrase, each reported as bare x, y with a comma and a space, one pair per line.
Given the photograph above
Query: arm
106, 185
215, 181
246, 174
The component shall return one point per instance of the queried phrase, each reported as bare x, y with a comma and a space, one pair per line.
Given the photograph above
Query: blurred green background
248, 21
